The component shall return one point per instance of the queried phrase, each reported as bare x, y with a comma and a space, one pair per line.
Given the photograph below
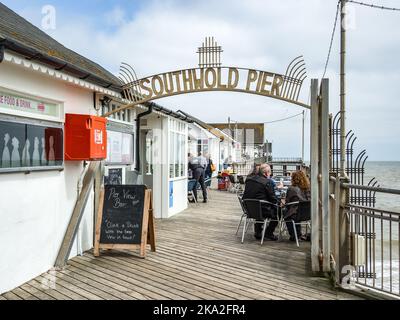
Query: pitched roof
19, 35
204, 125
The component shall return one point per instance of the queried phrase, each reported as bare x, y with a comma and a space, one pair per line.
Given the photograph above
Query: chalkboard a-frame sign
125, 219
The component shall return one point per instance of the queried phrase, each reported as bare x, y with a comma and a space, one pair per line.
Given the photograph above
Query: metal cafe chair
303, 216
244, 214
191, 185
259, 211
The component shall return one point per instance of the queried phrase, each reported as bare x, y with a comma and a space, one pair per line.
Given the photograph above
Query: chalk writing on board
122, 214
123, 200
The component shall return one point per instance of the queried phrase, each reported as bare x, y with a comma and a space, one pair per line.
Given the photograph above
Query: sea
387, 265
387, 173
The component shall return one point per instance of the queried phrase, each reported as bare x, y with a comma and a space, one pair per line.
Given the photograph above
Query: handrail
77, 215
369, 188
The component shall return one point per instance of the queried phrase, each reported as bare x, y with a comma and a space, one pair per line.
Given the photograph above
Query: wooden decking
198, 257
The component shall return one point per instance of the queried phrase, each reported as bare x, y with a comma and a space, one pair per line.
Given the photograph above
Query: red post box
85, 137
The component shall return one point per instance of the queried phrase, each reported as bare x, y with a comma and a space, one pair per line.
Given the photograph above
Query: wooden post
152, 234
99, 215
98, 187
315, 238
145, 227
324, 170
76, 216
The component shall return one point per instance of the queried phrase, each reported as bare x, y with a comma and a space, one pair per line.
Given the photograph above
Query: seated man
260, 187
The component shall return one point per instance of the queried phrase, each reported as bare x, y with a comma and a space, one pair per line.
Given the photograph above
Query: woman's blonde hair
299, 179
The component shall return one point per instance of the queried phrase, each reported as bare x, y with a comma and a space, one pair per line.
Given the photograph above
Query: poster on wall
119, 147
30, 146
114, 176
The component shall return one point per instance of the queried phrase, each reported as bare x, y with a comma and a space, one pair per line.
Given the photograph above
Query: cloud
116, 17
164, 35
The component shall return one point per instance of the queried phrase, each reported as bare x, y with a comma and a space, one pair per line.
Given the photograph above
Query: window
202, 146
27, 145
119, 147
171, 154
148, 161
182, 155
177, 149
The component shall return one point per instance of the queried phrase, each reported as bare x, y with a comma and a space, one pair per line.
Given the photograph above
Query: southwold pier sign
211, 76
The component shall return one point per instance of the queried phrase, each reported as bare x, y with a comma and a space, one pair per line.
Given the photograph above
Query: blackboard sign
122, 214
125, 219
114, 176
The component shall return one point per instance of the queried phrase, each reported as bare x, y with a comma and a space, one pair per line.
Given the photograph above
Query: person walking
198, 165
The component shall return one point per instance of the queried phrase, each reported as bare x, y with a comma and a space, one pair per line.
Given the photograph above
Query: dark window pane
12, 140
54, 146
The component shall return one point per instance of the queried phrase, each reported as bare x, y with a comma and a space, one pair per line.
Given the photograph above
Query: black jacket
295, 194
259, 187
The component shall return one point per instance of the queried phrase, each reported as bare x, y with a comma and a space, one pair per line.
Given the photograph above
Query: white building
207, 139
203, 141
40, 82
229, 149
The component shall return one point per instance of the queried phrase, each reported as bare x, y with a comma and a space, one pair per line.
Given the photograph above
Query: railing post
314, 157
332, 213
324, 170
343, 229
336, 232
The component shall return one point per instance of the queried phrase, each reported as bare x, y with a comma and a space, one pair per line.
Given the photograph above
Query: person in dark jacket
208, 171
198, 166
260, 187
298, 191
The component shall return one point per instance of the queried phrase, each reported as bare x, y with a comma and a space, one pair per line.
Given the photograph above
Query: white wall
155, 123
35, 208
214, 153
179, 196
179, 184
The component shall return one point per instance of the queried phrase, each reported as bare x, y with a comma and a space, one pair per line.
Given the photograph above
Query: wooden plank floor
198, 257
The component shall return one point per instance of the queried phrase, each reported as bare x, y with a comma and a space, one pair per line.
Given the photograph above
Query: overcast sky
157, 36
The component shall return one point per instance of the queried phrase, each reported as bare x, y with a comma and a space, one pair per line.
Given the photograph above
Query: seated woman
298, 191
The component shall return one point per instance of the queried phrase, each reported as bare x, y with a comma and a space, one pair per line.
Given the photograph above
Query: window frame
177, 134
125, 128
34, 122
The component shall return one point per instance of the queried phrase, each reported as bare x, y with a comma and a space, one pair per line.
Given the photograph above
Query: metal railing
242, 168
279, 166
355, 163
374, 243
287, 160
